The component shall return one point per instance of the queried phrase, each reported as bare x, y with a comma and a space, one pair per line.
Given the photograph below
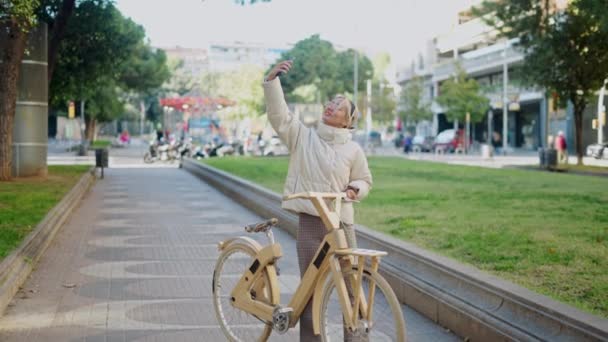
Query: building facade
523, 114
222, 57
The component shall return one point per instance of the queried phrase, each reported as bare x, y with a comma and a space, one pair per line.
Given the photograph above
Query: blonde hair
352, 112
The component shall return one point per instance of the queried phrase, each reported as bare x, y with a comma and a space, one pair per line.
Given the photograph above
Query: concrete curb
473, 304
18, 265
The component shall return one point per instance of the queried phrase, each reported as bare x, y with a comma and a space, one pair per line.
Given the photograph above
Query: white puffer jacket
323, 159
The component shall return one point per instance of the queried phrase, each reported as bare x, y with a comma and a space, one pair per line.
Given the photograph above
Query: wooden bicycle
349, 296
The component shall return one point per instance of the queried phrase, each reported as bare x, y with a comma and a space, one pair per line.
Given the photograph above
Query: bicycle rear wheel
236, 324
387, 323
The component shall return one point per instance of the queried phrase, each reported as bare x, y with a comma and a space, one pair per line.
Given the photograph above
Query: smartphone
280, 72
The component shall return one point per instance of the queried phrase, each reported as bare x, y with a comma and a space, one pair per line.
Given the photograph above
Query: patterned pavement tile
134, 263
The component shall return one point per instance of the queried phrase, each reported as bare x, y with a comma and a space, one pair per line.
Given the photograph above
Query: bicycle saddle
263, 226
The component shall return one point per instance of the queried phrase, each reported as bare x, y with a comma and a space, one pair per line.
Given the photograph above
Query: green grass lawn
545, 231
101, 143
25, 201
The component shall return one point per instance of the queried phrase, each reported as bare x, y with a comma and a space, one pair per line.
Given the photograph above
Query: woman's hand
351, 194
281, 68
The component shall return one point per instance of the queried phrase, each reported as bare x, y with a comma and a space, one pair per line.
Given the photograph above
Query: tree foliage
22, 12
383, 96
98, 43
105, 61
566, 49
242, 86
317, 63
460, 95
181, 81
415, 108
145, 70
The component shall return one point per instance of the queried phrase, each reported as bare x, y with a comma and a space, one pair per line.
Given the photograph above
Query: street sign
71, 110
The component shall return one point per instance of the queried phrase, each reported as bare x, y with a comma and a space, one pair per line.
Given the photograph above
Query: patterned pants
311, 232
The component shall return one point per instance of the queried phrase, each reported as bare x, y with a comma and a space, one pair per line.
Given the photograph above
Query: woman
324, 159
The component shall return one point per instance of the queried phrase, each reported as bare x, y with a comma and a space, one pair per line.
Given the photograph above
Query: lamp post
505, 107
368, 117
601, 114
355, 77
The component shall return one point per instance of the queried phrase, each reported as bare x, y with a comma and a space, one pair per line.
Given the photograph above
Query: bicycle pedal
281, 318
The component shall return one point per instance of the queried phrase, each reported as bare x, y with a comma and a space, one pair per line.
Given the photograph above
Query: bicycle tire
253, 325
332, 327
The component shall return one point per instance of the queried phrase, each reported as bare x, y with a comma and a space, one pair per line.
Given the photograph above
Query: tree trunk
12, 46
57, 33
579, 108
90, 127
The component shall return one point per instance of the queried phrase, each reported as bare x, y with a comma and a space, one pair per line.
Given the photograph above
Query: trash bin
101, 159
486, 151
82, 150
551, 158
542, 160
547, 158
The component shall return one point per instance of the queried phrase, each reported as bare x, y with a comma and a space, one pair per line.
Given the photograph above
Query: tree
317, 63
100, 46
143, 75
566, 49
145, 70
460, 95
102, 106
17, 17
415, 108
383, 97
56, 13
242, 86
383, 101
181, 82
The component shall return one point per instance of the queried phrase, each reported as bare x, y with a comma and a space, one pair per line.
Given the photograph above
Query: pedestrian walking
562, 148
497, 142
407, 143
159, 132
323, 159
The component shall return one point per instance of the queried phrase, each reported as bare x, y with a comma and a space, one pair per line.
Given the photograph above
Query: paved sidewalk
475, 159
134, 263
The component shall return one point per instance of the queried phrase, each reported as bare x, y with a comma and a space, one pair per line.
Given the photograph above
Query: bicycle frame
332, 249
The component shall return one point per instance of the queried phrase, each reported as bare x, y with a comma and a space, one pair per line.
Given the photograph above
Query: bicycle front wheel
236, 324
386, 324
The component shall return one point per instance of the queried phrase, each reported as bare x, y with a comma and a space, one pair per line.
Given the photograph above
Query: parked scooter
184, 148
158, 151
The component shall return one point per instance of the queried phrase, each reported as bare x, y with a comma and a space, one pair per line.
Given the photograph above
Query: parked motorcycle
184, 148
158, 151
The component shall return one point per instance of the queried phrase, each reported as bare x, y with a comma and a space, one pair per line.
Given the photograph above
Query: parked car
421, 143
275, 148
598, 151
448, 140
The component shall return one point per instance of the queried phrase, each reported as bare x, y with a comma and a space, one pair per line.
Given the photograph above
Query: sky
399, 27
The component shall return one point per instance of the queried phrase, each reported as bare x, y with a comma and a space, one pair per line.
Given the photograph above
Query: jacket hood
333, 134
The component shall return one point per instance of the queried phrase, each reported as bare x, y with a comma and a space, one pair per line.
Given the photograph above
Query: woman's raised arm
284, 123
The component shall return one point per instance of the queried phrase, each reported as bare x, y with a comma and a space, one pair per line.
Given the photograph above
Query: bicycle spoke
240, 325
384, 324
